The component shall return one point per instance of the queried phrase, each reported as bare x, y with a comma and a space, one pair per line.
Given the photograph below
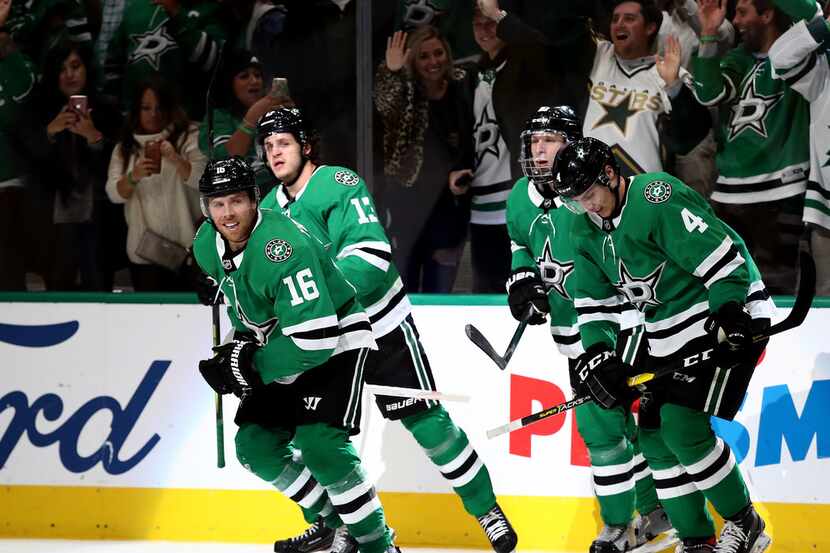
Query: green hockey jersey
336, 207
540, 240
284, 291
17, 81
763, 139
668, 254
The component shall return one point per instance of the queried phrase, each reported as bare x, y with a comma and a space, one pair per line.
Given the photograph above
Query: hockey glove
231, 369
525, 292
208, 289
603, 376
731, 327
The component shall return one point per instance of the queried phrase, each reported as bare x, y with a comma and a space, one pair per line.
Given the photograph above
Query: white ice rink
72, 546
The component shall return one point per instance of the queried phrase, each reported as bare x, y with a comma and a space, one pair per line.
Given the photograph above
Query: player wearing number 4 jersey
543, 281
295, 361
653, 241
333, 204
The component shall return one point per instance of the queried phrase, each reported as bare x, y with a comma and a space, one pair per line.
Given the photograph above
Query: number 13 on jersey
365, 212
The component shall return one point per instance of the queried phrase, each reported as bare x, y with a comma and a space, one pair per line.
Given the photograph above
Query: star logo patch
617, 115
554, 273
641, 292
278, 250
751, 110
657, 192
487, 136
151, 46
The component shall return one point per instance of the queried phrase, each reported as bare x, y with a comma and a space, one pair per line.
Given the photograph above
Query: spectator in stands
72, 146
450, 17
241, 99
763, 141
426, 135
506, 85
181, 39
159, 197
38, 24
18, 81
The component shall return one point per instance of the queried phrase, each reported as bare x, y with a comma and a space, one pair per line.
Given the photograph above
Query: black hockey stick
220, 421
484, 345
801, 306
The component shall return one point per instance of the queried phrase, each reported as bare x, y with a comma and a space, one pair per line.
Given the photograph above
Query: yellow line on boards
543, 523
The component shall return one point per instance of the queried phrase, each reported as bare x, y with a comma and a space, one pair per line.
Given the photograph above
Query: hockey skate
317, 537
343, 542
745, 534
696, 545
502, 537
653, 532
613, 539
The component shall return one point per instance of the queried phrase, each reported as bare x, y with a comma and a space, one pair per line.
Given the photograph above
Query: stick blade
481, 342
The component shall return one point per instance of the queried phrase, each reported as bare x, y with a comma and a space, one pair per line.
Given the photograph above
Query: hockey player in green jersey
542, 282
296, 358
654, 242
335, 206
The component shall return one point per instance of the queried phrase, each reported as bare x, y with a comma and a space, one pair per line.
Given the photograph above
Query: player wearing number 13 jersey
335, 206
656, 243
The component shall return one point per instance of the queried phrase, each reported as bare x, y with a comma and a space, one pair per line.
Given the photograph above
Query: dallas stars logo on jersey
641, 292
554, 273
261, 331
152, 45
751, 110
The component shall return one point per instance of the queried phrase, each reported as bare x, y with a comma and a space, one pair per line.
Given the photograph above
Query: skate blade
660, 543
761, 544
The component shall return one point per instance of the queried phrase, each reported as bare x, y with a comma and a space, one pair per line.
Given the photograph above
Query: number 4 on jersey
365, 212
693, 222
306, 284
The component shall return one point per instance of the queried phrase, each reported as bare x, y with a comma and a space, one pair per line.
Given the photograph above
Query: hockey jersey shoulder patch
346, 177
278, 250
657, 192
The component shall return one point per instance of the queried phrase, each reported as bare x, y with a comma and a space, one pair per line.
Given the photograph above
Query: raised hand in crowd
668, 64
144, 167
397, 54
711, 14
65, 119
459, 181
490, 9
5, 7
171, 155
84, 126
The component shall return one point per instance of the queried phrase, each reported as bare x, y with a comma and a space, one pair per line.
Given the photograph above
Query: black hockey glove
526, 291
603, 376
208, 289
231, 369
731, 327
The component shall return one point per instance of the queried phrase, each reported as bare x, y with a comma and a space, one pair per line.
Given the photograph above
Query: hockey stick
220, 423
483, 344
415, 393
801, 306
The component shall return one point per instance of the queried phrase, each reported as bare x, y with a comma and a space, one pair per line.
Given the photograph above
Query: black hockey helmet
580, 165
227, 176
279, 120
561, 120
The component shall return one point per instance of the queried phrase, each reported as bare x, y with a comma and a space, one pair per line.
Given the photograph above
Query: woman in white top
161, 198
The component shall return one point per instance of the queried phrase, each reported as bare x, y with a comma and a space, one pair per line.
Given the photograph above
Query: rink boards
108, 432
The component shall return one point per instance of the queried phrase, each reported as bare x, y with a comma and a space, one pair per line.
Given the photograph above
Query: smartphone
152, 151
78, 104
279, 88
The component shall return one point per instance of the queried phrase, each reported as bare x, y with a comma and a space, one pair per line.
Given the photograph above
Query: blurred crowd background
104, 110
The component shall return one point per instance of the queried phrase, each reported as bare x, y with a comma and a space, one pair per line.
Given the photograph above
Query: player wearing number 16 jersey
651, 240
334, 205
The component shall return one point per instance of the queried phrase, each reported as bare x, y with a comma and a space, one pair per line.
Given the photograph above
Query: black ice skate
613, 539
743, 533
344, 543
653, 532
697, 545
502, 537
317, 537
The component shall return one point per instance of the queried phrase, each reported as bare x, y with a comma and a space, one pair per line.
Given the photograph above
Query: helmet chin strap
288, 184
617, 196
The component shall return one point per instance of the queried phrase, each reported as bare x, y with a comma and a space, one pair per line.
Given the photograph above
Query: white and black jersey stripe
375, 253
389, 311
719, 264
667, 336
303, 489
672, 482
330, 332
463, 468
615, 309
713, 468
641, 469
568, 341
613, 479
